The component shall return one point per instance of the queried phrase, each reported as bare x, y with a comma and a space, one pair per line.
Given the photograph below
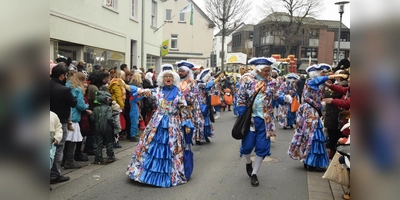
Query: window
174, 41
307, 52
168, 14
111, 4
154, 13
133, 9
182, 17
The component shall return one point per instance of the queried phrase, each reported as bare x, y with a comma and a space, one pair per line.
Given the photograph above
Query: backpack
228, 98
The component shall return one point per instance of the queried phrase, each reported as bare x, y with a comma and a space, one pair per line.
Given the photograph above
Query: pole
142, 39
338, 48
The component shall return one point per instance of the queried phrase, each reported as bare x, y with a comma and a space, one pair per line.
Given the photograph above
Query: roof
229, 31
246, 27
285, 17
202, 13
333, 24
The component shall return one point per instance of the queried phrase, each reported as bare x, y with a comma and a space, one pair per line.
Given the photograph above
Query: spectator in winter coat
331, 117
343, 103
300, 86
61, 102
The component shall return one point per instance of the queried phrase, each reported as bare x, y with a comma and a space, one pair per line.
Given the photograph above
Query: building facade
217, 47
107, 32
318, 40
186, 42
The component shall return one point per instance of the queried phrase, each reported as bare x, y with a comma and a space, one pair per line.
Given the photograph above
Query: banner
164, 48
188, 8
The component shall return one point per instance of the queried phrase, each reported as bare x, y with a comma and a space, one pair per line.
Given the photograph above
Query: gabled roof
229, 31
202, 13
333, 24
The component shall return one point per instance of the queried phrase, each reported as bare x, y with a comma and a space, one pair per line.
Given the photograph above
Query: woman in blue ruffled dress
158, 158
308, 143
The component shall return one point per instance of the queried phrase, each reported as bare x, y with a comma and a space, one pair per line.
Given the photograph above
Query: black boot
207, 140
249, 169
69, 157
198, 143
254, 180
78, 153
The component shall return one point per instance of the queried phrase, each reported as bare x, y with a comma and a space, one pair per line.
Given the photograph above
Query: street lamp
341, 11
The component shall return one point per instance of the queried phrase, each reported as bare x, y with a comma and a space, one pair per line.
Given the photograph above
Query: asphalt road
219, 173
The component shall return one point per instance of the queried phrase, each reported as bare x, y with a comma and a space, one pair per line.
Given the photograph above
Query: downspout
142, 38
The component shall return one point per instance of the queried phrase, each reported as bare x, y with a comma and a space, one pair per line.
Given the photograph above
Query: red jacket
341, 103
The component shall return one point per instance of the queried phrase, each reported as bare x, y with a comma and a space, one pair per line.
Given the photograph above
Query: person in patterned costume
158, 157
308, 143
263, 125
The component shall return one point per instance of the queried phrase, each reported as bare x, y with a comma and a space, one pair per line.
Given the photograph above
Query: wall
325, 49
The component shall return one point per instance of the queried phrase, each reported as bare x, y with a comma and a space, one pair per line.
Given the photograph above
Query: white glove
288, 98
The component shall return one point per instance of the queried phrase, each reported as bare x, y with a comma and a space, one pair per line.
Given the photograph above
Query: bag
336, 173
343, 149
243, 122
122, 121
228, 99
215, 100
188, 163
211, 110
141, 125
318, 110
295, 105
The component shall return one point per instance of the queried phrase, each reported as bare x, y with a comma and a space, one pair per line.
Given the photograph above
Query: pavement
279, 176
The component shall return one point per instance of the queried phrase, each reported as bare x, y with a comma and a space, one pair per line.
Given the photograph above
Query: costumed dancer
263, 125
277, 79
158, 158
204, 84
287, 91
188, 87
308, 143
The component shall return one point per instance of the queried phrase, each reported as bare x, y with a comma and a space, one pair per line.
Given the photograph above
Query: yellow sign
165, 48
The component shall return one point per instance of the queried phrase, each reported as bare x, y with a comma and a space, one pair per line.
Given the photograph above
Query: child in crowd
116, 111
104, 123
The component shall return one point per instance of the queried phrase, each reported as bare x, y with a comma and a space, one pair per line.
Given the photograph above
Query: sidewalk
88, 166
322, 189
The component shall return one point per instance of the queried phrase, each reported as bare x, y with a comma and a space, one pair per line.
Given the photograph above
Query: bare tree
291, 21
225, 13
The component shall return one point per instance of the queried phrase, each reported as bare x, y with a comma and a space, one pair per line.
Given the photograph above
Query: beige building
107, 32
187, 42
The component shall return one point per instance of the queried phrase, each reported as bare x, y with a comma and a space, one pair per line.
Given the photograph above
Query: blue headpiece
167, 67
262, 61
291, 75
185, 63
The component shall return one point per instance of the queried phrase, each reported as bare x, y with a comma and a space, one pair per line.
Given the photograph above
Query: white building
217, 49
108, 32
186, 41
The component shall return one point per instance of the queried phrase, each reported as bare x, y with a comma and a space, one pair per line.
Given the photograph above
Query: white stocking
247, 157
257, 163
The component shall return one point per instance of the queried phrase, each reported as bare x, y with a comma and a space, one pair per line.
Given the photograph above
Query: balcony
343, 45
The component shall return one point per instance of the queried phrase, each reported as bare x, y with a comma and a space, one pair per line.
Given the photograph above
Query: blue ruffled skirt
290, 117
317, 156
157, 166
207, 126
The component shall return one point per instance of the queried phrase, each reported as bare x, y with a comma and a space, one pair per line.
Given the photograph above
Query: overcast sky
330, 11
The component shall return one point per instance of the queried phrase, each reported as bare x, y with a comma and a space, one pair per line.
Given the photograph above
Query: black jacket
331, 111
61, 100
300, 85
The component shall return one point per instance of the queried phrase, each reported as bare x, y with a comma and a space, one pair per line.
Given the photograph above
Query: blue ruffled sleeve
209, 85
317, 81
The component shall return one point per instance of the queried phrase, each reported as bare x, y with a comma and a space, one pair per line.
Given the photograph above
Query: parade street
219, 173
